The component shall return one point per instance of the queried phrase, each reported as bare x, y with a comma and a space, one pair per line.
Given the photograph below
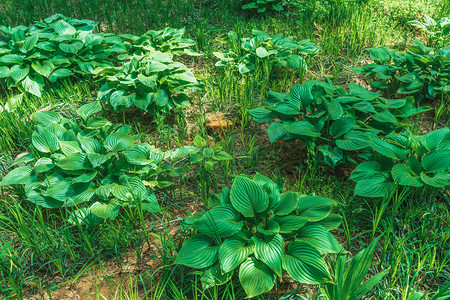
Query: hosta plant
58, 47
261, 6
272, 50
407, 160
258, 232
333, 121
152, 82
422, 71
92, 169
168, 40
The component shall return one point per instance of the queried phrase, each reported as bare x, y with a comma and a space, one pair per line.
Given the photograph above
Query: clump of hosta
92, 169
258, 232
152, 82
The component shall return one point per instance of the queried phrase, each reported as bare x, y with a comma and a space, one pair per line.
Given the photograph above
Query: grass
132, 257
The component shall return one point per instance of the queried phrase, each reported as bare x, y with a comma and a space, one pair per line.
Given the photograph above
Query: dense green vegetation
225, 149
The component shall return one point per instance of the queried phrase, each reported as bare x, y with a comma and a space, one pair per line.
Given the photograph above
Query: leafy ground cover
224, 149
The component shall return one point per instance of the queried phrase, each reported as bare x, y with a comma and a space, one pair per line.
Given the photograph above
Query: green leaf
248, 197
19, 175
198, 252
440, 179
161, 97
118, 141
213, 276
61, 191
29, 43
45, 69
354, 140
319, 238
333, 108
46, 118
314, 208
290, 223
262, 52
437, 161
331, 222
288, 202
60, 73
276, 131
297, 62
44, 140
221, 156
4, 72
302, 128
403, 175
305, 265
437, 139
89, 109
221, 221
108, 210
19, 72
367, 170
43, 164
63, 28
300, 96
270, 228
380, 54
234, 250
261, 114
142, 154
70, 147
73, 162
11, 59
256, 278
270, 250
373, 187
341, 126
388, 149
33, 84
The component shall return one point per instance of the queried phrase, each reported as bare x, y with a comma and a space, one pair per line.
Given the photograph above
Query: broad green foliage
262, 6
438, 31
93, 169
413, 161
349, 278
275, 50
422, 71
152, 82
58, 47
168, 40
247, 230
334, 121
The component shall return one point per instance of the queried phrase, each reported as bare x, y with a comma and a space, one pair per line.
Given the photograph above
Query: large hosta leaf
221, 221
437, 139
305, 264
341, 127
314, 208
302, 129
319, 238
213, 276
46, 118
290, 223
89, 109
44, 140
354, 140
74, 162
118, 141
373, 187
63, 28
403, 175
19, 72
198, 252
19, 175
300, 96
277, 131
270, 250
388, 149
248, 197
367, 170
105, 210
288, 202
234, 250
142, 154
45, 68
437, 161
440, 179
256, 277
